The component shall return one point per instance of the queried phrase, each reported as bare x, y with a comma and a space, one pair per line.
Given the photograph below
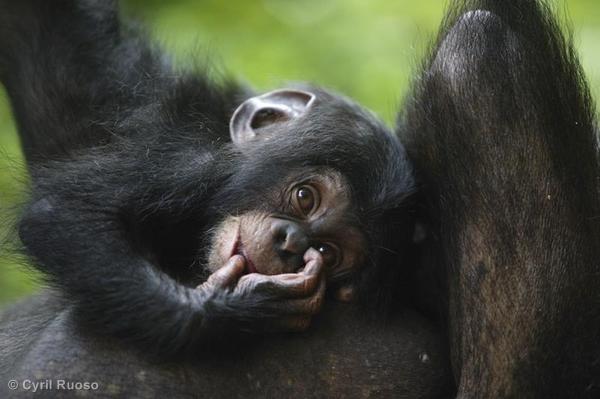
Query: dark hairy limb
141, 186
96, 108
501, 128
77, 77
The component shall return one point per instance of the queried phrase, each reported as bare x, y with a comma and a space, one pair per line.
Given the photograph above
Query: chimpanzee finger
313, 262
282, 285
309, 306
229, 274
297, 307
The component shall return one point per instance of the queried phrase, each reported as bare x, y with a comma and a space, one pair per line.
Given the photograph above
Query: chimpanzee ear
273, 107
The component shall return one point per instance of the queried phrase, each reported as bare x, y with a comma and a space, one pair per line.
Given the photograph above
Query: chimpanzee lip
238, 249
249, 265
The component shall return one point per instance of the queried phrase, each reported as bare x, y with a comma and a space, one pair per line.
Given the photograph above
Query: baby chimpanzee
135, 167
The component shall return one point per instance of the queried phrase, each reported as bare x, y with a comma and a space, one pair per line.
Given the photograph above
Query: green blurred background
366, 49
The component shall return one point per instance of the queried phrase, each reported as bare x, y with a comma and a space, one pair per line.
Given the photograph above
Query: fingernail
311, 254
237, 261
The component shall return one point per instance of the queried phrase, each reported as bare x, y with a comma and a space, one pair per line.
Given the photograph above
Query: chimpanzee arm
501, 127
78, 78
82, 229
112, 146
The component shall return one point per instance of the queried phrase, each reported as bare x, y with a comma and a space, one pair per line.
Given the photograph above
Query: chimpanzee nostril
289, 237
279, 233
296, 241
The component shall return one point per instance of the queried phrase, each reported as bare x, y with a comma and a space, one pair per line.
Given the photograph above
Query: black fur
132, 165
501, 128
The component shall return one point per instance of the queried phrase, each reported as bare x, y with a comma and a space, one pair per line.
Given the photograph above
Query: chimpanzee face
310, 167
313, 211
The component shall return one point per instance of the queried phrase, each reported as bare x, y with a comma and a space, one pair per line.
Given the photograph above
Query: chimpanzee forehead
321, 175
335, 134
366, 154
331, 134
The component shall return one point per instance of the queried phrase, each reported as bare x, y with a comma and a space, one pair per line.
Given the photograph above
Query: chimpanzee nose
290, 241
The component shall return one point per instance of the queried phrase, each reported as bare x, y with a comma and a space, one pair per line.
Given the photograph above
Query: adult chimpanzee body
341, 355
501, 130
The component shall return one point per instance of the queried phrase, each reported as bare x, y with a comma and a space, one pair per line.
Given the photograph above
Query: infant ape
307, 206
144, 179
280, 201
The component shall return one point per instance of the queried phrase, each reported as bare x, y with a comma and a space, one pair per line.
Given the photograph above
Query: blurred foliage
365, 49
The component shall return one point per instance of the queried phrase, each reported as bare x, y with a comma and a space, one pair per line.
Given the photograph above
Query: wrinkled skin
300, 294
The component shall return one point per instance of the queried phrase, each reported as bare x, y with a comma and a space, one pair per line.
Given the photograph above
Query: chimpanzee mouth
249, 265
238, 249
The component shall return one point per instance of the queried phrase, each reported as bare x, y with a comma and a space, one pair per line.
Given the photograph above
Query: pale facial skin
272, 263
318, 205
295, 249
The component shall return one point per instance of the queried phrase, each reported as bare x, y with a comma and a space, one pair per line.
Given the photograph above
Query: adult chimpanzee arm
501, 127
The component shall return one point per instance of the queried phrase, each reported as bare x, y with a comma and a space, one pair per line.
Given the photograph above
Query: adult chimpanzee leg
501, 128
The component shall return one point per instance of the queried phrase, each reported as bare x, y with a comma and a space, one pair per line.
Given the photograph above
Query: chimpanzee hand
262, 303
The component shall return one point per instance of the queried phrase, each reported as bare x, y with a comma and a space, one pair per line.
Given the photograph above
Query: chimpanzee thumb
229, 274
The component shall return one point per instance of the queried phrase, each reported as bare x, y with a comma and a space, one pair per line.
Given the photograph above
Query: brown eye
330, 254
306, 199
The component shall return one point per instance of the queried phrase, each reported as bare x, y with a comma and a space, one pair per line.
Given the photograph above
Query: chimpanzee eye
306, 199
330, 254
